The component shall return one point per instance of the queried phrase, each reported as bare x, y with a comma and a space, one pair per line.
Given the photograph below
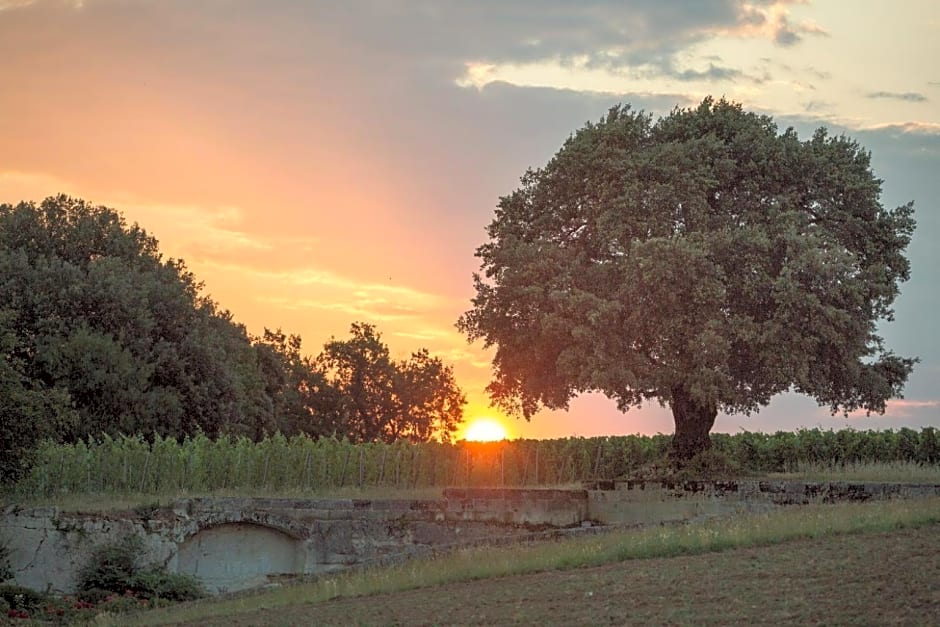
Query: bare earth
876, 579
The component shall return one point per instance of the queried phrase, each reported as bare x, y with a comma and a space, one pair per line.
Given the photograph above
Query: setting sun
485, 430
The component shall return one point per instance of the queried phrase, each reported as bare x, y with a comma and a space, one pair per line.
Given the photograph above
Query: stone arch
241, 553
205, 520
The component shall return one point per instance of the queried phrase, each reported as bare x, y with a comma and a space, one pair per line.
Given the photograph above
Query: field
871, 563
872, 579
166, 468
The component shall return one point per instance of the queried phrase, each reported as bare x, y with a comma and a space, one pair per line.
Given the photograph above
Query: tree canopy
380, 399
100, 334
703, 260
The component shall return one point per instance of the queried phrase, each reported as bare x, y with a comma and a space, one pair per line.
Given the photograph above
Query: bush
20, 598
6, 570
156, 583
710, 464
113, 570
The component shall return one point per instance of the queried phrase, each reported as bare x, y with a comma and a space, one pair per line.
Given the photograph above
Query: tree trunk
693, 422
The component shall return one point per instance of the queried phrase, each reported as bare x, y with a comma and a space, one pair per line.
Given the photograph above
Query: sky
320, 163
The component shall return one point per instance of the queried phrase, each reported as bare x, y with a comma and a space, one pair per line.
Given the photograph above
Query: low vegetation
111, 582
302, 465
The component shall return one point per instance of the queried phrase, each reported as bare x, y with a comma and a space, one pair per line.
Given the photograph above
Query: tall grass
477, 563
892, 472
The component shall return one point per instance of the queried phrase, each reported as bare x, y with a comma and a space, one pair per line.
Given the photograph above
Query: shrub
6, 570
709, 464
20, 598
112, 570
156, 583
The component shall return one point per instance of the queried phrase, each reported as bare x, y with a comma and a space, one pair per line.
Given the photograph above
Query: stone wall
555, 508
237, 543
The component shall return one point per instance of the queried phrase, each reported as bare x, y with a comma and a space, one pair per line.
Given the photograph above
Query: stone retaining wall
237, 543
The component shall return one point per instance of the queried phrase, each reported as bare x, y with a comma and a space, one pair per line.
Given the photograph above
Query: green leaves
380, 399
704, 252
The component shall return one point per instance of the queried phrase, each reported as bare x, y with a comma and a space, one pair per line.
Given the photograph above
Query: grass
758, 530
896, 472
108, 502
859, 579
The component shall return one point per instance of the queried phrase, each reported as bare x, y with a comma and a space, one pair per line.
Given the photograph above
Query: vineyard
200, 464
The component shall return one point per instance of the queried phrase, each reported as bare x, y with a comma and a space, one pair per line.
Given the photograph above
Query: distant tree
430, 402
303, 400
361, 370
384, 400
703, 260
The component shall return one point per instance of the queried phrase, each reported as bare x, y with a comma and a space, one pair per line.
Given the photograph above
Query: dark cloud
908, 96
439, 37
785, 35
816, 106
713, 73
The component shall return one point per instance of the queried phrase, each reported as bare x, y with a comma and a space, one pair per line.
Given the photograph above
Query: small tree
703, 260
380, 399
430, 402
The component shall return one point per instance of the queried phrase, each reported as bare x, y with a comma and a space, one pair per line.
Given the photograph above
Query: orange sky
318, 166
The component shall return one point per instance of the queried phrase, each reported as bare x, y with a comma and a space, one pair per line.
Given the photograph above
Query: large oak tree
704, 260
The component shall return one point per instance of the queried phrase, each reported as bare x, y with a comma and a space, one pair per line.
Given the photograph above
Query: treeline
99, 334
303, 464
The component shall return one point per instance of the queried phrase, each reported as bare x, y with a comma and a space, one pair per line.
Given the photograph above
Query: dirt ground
876, 579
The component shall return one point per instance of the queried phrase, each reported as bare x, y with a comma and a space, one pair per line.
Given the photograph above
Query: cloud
919, 128
211, 231
902, 408
471, 39
308, 276
361, 309
6, 5
425, 334
22, 4
713, 73
771, 20
908, 96
817, 106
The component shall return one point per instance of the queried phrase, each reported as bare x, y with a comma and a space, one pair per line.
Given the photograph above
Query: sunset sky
319, 163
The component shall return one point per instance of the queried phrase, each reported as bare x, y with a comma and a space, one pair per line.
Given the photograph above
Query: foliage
113, 570
111, 567
6, 569
20, 597
102, 335
105, 336
380, 399
703, 260
27, 411
302, 399
156, 583
302, 464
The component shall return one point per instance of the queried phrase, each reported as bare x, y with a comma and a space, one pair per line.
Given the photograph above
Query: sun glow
485, 429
